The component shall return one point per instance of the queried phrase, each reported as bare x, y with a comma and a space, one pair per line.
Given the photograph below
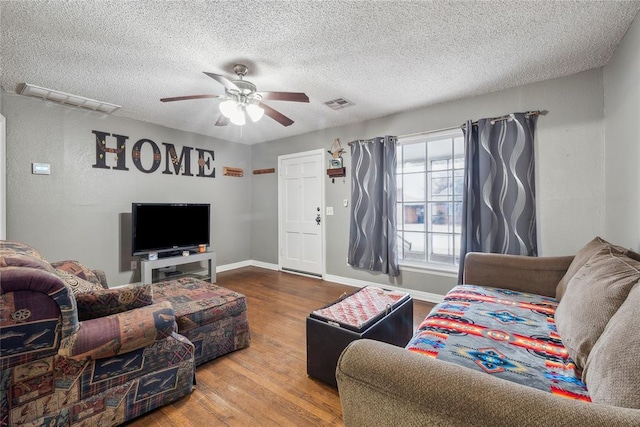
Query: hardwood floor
265, 384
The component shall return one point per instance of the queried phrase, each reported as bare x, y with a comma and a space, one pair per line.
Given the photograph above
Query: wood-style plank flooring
265, 384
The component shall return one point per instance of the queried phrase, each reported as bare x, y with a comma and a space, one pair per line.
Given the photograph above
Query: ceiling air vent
65, 98
339, 103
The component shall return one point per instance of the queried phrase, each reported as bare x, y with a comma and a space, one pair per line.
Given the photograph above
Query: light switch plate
329, 210
134, 265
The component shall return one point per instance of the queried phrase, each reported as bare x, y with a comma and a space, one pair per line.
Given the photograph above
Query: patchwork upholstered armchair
73, 351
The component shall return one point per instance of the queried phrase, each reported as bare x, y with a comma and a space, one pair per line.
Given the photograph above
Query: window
430, 176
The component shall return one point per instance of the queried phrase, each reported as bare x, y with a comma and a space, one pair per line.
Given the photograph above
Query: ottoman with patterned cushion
370, 312
213, 318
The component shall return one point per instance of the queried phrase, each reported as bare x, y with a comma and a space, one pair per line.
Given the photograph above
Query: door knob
318, 219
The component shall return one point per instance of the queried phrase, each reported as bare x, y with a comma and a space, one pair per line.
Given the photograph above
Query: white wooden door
301, 207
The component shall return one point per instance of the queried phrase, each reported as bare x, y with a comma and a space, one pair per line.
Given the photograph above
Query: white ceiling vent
65, 98
339, 103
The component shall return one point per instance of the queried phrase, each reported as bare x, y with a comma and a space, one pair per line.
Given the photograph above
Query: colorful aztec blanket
511, 335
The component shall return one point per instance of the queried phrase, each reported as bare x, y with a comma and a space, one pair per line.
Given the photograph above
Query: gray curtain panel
372, 236
498, 205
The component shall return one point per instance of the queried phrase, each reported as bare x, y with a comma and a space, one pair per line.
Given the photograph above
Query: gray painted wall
83, 213
622, 141
87, 208
570, 170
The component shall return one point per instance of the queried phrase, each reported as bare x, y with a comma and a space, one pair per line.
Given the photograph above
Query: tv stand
147, 267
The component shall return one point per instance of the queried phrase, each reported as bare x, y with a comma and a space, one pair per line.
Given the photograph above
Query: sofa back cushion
612, 371
592, 297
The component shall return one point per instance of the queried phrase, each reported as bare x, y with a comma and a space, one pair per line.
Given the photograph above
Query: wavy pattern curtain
372, 236
498, 205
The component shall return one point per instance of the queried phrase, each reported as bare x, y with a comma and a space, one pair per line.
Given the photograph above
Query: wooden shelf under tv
148, 266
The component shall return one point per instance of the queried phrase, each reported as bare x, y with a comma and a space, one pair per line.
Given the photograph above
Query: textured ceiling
386, 57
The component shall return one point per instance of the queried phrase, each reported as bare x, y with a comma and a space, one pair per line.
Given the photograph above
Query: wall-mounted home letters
174, 164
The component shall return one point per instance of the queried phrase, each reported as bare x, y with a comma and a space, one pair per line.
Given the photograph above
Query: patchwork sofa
525, 341
75, 352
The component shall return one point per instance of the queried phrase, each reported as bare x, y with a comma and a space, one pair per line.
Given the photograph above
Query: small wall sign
229, 171
263, 171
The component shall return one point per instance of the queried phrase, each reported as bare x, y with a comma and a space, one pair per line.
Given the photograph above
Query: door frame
3, 179
323, 233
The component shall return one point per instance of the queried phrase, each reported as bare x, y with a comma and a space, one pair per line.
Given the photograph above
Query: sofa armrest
105, 302
387, 386
120, 333
537, 275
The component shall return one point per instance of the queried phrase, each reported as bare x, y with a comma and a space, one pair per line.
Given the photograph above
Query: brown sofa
596, 309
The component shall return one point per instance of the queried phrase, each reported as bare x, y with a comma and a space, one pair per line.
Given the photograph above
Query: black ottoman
331, 328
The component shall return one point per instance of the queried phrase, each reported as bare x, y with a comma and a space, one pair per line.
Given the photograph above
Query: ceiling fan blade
184, 98
222, 120
276, 115
284, 96
223, 81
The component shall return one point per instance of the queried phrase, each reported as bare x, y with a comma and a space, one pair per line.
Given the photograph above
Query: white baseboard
247, 263
232, 266
266, 265
419, 295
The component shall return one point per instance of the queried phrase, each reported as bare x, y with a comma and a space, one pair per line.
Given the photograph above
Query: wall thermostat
41, 168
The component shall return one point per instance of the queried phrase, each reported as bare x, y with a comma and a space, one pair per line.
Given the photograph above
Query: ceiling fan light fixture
255, 112
228, 108
238, 117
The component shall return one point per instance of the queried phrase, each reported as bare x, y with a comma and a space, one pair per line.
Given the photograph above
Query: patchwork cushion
119, 333
510, 335
197, 302
77, 269
592, 296
612, 371
104, 302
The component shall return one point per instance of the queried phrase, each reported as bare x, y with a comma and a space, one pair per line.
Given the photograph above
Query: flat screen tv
169, 227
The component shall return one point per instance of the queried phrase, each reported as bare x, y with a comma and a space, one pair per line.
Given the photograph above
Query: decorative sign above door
116, 146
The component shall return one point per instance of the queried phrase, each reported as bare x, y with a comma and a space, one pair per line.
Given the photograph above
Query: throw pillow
612, 371
119, 333
583, 256
104, 302
592, 297
77, 284
78, 269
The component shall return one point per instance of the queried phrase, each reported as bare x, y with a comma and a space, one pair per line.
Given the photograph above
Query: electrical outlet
329, 210
134, 265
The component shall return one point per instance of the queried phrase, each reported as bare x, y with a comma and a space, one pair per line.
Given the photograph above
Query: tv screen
169, 227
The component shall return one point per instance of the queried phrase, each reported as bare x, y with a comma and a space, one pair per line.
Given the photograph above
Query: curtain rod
464, 125
428, 132
409, 135
507, 117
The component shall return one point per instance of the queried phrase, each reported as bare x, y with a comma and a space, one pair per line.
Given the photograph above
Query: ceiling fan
241, 99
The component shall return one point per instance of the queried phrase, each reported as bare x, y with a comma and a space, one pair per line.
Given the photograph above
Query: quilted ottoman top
362, 307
